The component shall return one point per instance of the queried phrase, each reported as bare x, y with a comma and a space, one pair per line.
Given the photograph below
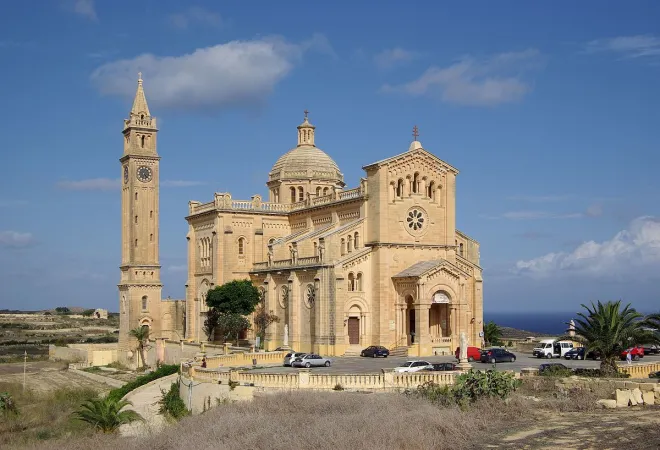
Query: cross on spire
139, 76
306, 112
415, 132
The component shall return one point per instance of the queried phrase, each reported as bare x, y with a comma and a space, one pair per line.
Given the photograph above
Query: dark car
651, 349
495, 355
441, 367
575, 353
374, 351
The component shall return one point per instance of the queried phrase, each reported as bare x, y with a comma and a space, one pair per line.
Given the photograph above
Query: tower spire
140, 106
306, 132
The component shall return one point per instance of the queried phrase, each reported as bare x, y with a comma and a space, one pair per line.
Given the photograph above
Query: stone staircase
353, 350
399, 351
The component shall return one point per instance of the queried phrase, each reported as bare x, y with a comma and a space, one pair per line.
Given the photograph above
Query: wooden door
353, 330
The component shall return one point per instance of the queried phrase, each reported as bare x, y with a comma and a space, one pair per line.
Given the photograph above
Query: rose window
415, 220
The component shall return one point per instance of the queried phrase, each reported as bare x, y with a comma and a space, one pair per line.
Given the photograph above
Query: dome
306, 160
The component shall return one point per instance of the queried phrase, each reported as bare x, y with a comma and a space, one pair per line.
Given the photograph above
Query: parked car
440, 367
413, 366
552, 348
579, 353
311, 360
473, 353
290, 357
493, 355
651, 349
375, 351
552, 366
635, 353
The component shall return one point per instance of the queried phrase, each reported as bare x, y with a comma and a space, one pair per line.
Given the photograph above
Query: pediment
418, 159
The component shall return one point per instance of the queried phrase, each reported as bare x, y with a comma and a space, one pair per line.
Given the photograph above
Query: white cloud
631, 253
476, 83
639, 46
15, 239
84, 8
195, 16
108, 184
393, 56
236, 73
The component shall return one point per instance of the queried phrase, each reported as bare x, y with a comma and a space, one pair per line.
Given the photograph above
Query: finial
139, 77
306, 112
415, 132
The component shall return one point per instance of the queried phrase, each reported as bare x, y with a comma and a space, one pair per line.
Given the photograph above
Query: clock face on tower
125, 174
144, 174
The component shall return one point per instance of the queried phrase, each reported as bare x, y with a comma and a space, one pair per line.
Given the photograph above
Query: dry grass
42, 415
322, 421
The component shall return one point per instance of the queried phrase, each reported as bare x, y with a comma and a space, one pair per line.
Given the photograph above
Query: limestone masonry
378, 264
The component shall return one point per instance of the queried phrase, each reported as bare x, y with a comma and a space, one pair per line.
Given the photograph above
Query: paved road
349, 365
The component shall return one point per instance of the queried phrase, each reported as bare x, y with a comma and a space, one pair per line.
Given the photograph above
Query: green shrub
338, 387
474, 385
556, 371
171, 404
597, 373
509, 344
163, 371
468, 388
7, 403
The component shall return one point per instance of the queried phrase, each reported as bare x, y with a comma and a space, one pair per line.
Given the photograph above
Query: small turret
306, 132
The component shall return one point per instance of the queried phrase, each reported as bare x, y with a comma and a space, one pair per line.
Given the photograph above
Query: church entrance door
353, 331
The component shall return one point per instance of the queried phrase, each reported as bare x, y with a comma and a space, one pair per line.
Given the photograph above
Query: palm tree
141, 334
492, 333
607, 329
106, 414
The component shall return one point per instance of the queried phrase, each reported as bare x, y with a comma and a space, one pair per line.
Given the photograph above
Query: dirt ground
43, 376
635, 428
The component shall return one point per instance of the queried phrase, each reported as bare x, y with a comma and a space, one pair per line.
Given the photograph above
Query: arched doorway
411, 332
353, 325
439, 315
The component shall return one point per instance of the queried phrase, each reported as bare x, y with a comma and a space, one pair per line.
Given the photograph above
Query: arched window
271, 241
241, 246
325, 191
316, 249
136, 242
358, 282
350, 243
142, 141
145, 302
293, 194
460, 249
151, 214
318, 191
356, 240
151, 237
136, 196
301, 194
399, 188
415, 183
430, 190
351, 281
343, 246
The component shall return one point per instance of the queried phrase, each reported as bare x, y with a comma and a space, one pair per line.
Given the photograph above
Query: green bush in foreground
171, 404
162, 371
7, 403
106, 414
469, 387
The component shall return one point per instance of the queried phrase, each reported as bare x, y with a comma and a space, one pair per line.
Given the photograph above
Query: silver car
311, 360
290, 357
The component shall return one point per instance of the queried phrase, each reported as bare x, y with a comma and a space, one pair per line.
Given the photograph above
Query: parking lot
352, 365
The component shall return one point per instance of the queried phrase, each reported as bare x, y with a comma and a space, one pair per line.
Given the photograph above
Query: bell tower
140, 286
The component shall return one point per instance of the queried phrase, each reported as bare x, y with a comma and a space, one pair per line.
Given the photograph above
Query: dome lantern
306, 132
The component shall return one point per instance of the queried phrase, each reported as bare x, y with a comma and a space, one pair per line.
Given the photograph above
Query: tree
492, 334
88, 312
230, 325
141, 334
105, 414
262, 320
607, 329
235, 297
62, 310
211, 322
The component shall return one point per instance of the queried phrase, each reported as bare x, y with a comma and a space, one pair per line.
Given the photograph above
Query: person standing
629, 357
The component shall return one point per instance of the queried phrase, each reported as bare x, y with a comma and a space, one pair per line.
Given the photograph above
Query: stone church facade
377, 264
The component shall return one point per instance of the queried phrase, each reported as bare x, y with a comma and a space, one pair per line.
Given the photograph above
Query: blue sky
550, 111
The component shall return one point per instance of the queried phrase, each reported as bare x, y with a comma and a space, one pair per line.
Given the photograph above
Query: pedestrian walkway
145, 402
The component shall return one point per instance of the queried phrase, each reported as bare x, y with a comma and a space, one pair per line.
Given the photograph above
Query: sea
553, 323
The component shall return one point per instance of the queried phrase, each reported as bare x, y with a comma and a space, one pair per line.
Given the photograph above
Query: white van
552, 348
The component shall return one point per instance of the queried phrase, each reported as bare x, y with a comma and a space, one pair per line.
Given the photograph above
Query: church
343, 267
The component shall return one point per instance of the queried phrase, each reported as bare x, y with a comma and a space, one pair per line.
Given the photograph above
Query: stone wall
642, 370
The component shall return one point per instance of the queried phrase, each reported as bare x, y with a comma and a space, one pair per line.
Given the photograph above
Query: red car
635, 353
473, 353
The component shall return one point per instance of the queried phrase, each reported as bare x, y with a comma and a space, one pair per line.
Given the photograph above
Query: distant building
100, 314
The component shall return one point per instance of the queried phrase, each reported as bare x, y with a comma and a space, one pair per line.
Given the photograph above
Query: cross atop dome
415, 143
306, 132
